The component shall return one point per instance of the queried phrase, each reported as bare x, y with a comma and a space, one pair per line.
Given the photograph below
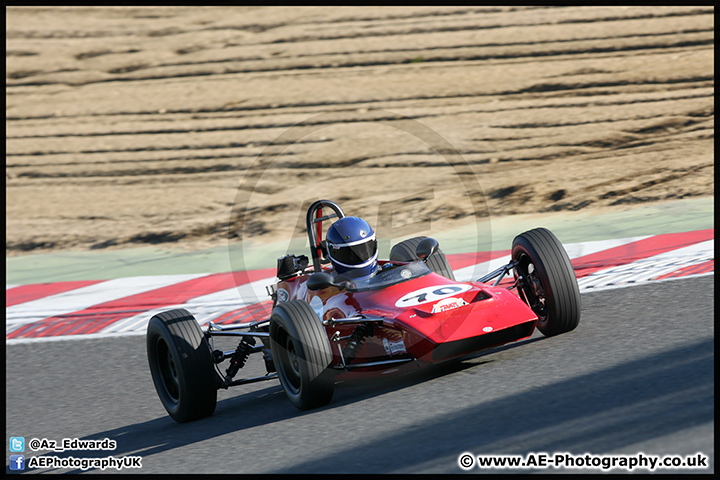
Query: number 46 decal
431, 294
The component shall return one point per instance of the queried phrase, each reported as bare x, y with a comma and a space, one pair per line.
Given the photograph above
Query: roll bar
315, 218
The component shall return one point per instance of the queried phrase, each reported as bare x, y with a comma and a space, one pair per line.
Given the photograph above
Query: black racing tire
181, 365
302, 355
405, 252
547, 281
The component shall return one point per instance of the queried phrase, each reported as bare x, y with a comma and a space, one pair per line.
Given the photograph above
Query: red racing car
409, 311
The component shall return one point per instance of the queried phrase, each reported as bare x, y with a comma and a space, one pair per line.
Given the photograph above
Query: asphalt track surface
637, 375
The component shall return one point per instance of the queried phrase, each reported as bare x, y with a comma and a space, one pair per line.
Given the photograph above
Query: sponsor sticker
393, 348
448, 304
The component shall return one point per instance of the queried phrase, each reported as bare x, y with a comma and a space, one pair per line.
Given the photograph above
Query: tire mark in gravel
115, 102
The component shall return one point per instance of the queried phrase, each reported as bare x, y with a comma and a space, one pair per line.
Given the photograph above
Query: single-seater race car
325, 325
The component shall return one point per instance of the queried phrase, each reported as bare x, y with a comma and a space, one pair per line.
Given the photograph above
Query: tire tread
182, 330
561, 285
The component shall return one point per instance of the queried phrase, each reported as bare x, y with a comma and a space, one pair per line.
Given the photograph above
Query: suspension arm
501, 272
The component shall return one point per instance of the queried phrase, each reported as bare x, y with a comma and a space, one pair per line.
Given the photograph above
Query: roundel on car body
431, 294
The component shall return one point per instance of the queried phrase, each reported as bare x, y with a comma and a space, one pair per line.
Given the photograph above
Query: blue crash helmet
352, 247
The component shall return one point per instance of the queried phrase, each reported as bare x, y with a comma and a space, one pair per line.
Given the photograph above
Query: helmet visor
353, 254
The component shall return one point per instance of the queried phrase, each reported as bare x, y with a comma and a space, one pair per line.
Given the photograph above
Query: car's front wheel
301, 354
181, 365
547, 281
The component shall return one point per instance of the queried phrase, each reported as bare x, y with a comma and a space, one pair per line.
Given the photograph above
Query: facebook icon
17, 462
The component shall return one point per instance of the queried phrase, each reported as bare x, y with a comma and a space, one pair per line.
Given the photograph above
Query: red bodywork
430, 319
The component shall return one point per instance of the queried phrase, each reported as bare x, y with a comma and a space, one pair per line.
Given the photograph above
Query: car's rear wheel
405, 252
301, 354
181, 365
547, 281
